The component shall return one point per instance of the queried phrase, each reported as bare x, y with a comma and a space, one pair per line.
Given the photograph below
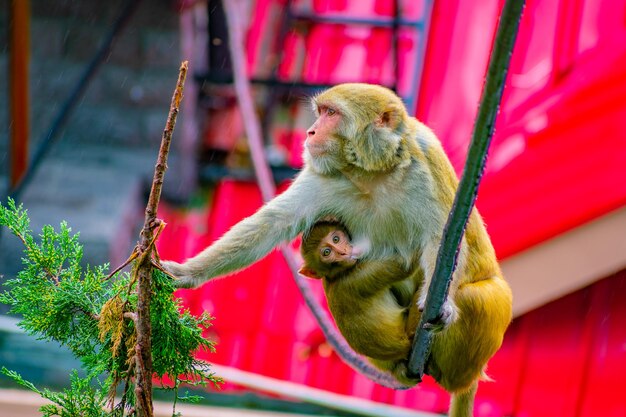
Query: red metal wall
567, 358
559, 150
556, 162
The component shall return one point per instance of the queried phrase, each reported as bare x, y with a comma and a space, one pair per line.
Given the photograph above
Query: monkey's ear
376, 149
390, 118
308, 272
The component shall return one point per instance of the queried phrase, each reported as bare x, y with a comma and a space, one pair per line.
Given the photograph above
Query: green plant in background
94, 316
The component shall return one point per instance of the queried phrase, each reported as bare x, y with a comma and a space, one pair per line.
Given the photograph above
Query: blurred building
553, 195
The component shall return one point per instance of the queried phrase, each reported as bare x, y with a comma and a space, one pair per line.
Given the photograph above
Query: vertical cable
468, 187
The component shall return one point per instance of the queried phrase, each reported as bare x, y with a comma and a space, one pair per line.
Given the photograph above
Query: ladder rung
382, 22
298, 85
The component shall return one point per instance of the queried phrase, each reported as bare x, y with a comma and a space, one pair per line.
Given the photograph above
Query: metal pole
19, 57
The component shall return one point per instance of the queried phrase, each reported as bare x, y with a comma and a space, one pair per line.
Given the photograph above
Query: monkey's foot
447, 316
403, 375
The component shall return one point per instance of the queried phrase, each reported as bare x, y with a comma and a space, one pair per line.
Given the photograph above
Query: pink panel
348, 53
344, 7
427, 396
532, 61
236, 301
542, 158
284, 326
258, 26
296, 149
409, 9
600, 22
172, 239
603, 392
263, 29
407, 44
175, 239
273, 354
497, 398
292, 56
224, 129
556, 360
230, 346
289, 138
454, 69
318, 363
544, 200
342, 375
333, 53
326, 45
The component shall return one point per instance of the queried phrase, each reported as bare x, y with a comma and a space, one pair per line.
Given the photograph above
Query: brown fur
369, 314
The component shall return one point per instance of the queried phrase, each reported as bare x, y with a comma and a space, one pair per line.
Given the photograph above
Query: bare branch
143, 348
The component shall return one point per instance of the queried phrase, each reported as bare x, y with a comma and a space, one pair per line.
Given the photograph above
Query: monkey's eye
330, 111
335, 239
326, 252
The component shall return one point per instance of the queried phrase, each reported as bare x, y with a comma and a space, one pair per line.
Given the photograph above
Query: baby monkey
369, 299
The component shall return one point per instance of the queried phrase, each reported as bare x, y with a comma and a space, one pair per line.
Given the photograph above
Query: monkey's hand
184, 277
449, 314
360, 247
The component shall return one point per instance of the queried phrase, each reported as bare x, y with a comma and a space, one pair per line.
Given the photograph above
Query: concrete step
98, 191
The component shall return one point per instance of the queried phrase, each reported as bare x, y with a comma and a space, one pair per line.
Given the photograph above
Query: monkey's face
358, 126
320, 135
323, 146
335, 249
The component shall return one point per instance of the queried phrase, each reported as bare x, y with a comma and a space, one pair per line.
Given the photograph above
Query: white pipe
9, 325
314, 395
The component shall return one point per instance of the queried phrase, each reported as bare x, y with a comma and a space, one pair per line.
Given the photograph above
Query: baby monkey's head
327, 251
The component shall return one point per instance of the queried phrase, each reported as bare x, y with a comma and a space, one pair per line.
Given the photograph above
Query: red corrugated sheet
559, 149
557, 161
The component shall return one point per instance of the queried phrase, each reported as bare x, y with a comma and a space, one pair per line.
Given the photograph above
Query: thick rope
268, 191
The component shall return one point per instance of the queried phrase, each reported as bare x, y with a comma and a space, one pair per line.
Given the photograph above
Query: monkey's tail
462, 403
484, 376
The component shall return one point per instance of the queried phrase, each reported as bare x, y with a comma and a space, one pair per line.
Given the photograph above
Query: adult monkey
386, 177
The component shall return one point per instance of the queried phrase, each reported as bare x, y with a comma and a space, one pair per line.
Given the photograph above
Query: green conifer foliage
93, 315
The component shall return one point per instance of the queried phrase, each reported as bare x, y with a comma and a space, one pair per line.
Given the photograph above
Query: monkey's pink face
319, 137
336, 247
